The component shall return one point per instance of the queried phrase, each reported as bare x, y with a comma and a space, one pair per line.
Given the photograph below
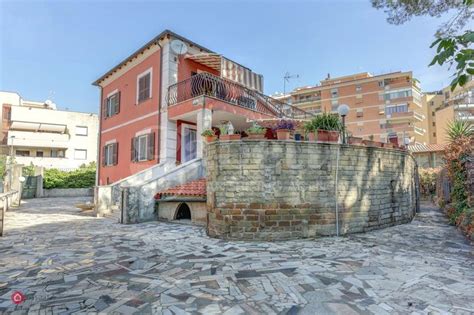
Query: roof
419, 148
155, 40
195, 188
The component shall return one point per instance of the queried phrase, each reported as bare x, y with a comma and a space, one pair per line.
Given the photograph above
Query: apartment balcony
226, 95
38, 120
397, 127
405, 116
37, 139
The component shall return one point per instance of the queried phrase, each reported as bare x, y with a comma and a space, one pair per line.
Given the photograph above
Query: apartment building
38, 133
379, 105
450, 106
157, 101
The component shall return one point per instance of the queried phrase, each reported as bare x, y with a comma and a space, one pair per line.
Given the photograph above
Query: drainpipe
337, 189
99, 148
158, 136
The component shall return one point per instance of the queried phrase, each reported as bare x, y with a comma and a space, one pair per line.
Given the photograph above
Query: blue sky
55, 49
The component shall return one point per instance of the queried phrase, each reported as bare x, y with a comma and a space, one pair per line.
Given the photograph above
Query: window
80, 154
358, 88
22, 153
334, 92
396, 109
434, 134
434, 124
81, 131
381, 83
39, 153
143, 147
112, 105
360, 113
57, 153
110, 154
144, 86
397, 94
432, 113
7, 113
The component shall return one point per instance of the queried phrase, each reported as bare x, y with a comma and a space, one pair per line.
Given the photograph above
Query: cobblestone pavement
66, 261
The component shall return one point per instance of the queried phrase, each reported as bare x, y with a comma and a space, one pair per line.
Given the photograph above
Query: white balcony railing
37, 139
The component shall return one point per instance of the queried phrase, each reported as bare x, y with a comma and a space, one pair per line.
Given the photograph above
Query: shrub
83, 177
428, 178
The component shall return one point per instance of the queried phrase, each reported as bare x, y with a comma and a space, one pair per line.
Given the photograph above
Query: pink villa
157, 101
154, 163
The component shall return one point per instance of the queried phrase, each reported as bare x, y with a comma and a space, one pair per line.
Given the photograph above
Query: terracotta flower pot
256, 136
230, 137
388, 145
311, 136
322, 135
283, 134
211, 138
328, 135
354, 140
368, 143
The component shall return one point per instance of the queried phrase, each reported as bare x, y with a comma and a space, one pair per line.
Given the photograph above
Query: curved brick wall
272, 190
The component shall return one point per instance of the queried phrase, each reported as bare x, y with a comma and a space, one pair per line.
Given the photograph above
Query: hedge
83, 177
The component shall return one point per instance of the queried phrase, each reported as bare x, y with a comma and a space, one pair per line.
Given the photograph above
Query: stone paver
66, 261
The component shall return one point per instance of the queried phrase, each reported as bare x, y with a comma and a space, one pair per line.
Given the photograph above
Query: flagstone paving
66, 261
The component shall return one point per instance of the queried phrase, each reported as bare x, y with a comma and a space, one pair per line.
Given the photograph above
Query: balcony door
188, 143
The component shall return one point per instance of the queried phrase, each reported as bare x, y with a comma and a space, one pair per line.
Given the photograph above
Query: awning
33, 126
230, 70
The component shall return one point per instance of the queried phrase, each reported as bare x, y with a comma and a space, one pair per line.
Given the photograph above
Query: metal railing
206, 84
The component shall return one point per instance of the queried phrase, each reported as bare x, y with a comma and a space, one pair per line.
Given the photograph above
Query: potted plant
353, 140
327, 127
284, 128
209, 135
226, 135
370, 142
310, 131
256, 132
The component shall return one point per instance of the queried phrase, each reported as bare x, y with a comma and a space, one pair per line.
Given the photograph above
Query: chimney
329, 76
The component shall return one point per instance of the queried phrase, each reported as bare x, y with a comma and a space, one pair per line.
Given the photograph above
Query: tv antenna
286, 78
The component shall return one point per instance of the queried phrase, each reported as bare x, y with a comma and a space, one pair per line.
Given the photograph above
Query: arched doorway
183, 212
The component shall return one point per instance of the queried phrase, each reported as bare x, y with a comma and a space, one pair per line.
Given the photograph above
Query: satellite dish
178, 47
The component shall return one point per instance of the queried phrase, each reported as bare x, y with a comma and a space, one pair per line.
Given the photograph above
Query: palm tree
459, 128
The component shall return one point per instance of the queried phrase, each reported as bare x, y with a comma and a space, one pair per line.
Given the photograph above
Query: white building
38, 133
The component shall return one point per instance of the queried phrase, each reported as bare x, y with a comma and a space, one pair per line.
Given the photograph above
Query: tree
453, 42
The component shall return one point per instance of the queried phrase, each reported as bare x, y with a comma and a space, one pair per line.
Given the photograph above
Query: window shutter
117, 105
104, 154
151, 146
104, 108
115, 153
133, 150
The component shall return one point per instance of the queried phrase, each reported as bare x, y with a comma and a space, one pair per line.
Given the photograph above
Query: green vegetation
453, 43
460, 210
256, 130
459, 128
324, 121
83, 177
208, 133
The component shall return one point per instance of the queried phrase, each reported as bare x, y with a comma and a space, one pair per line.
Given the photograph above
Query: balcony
37, 139
209, 85
405, 116
39, 119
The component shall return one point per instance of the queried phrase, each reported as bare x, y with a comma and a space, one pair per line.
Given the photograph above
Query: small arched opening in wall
183, 212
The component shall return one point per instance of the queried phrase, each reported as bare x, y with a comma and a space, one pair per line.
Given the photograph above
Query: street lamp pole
343, 110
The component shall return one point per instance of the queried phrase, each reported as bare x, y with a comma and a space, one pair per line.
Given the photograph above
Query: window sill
139, 102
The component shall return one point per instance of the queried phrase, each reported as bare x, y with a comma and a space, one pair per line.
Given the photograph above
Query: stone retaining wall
273, 190
68, 192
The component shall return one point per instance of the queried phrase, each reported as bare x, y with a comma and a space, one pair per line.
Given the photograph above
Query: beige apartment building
453, 105
38, 133
379, 105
